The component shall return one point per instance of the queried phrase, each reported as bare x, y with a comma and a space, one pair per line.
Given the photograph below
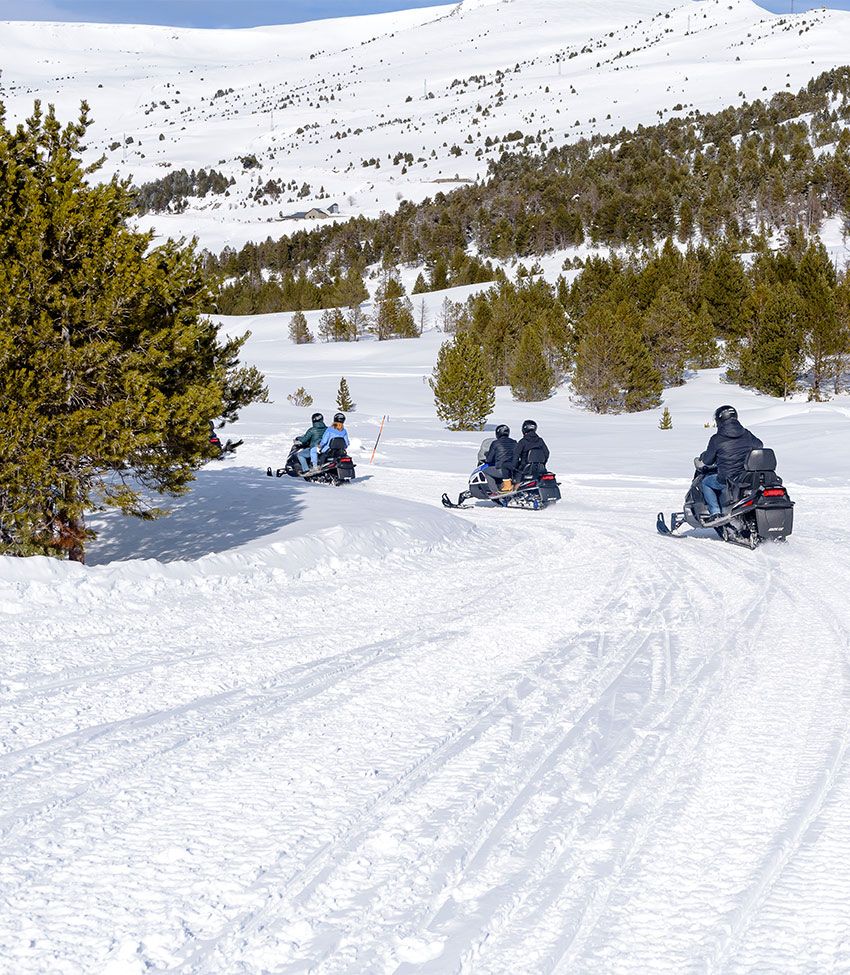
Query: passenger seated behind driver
337, 429
500, 457
530, 442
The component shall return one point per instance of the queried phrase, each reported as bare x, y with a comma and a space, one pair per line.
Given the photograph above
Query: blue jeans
712, 487
312, 453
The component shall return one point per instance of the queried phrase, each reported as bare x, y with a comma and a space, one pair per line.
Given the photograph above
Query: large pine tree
531, 377
772, 356
819, 316
109, 371
463, 387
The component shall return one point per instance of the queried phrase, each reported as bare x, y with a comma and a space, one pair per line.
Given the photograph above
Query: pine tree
613, 368
299, 333
841, 361
643, 384
394, 313
666, 421
600, 373
771, 358
343, 397
335, 327
463, 388
819, 316
358, 323
420, 285
726, 288
109, 371
350, 291
531, 378
667, 327
703, 352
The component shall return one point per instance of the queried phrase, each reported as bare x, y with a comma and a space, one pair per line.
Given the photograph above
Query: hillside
343, 730
293, 727
418, 92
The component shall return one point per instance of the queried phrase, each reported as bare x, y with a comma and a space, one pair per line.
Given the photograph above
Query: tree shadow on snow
223, 510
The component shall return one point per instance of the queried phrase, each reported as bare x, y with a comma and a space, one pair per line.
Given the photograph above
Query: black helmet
339, 418
502, 430
317, 418
723, 413
529, 427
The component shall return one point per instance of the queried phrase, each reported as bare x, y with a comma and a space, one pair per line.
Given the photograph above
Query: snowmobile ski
448, 503
677, 519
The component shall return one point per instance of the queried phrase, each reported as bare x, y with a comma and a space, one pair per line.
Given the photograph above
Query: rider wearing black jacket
500, 457
728, 450
530, 442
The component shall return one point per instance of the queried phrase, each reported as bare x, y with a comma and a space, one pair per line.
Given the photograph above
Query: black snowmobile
534, 488
223, 448
755, 507
334, 467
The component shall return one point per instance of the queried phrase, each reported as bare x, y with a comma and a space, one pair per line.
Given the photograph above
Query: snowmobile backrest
762, 459
535, 465
484, 448
336, 447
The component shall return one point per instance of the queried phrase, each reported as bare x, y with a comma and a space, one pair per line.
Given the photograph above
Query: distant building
314, 214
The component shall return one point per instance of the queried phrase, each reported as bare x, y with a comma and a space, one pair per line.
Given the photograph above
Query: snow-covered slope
297, 728
293, 728
314, 102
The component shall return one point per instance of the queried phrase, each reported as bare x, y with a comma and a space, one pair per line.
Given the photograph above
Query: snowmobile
334, 467
223, 448
755, 507
534, 488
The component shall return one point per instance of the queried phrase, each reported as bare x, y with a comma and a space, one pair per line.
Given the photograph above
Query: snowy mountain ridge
362, 112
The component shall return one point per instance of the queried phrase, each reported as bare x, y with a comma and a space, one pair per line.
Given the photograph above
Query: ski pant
712, 487
312, 453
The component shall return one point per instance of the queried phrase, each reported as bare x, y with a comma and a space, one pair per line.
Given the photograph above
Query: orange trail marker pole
383, 419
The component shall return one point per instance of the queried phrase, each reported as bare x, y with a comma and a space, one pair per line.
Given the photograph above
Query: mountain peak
466, 5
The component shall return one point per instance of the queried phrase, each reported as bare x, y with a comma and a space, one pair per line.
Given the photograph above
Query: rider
500, 457
310, 441
728, 450
530, 441
337, 429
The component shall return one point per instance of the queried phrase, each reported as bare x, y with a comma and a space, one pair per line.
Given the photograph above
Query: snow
297, 728
419, 81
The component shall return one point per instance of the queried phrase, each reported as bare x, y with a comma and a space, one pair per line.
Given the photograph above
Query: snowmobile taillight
345, 460
530, 484
774, 493
548, 477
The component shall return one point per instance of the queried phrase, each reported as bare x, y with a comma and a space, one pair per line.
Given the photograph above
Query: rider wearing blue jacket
337, 429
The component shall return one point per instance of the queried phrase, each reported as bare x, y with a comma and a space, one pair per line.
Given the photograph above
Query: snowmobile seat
762, 459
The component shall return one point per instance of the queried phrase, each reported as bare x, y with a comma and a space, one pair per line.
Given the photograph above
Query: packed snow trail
547, 742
